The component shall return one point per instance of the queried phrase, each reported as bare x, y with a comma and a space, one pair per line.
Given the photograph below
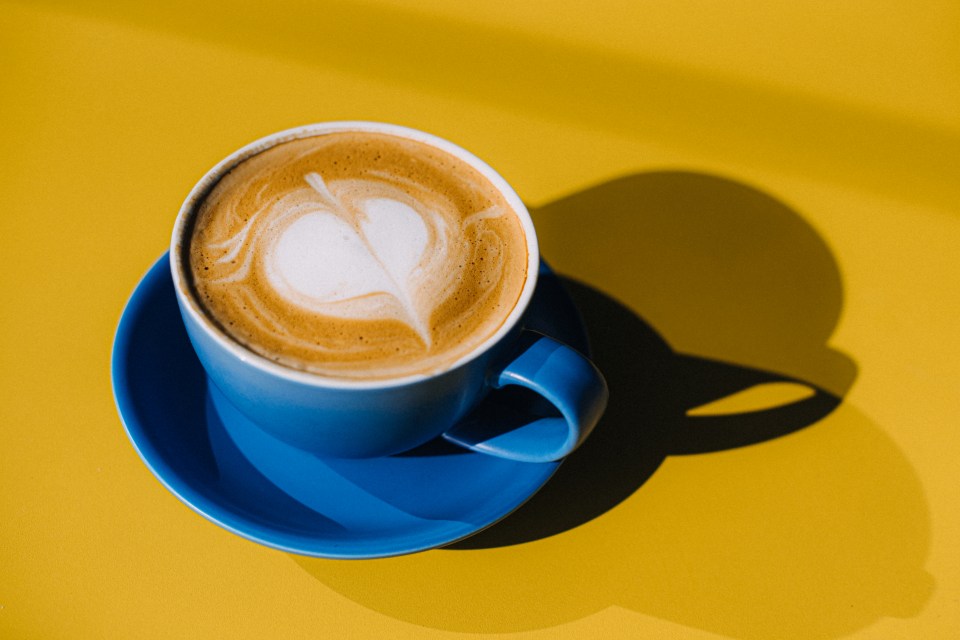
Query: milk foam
362, 262
371, 271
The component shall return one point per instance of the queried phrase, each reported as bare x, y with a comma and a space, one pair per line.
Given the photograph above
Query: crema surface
357, 255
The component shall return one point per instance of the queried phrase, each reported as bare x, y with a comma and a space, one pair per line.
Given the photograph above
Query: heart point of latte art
357, 255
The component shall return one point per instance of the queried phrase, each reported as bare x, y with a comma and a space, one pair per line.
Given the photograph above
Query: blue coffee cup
337, 417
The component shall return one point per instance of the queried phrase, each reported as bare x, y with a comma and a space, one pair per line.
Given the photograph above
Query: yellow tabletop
756, 204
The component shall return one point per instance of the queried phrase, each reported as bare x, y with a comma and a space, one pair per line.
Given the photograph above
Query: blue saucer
236, 476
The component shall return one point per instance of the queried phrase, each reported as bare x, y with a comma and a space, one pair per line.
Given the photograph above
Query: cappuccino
359, 255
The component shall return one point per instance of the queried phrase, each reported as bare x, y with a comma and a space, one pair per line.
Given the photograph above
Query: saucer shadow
705, 496
652, 388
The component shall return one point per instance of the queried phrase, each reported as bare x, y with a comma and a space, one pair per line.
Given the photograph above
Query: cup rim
189, 305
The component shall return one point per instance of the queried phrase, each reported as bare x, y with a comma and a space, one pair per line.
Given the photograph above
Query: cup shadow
709, 306
720, 237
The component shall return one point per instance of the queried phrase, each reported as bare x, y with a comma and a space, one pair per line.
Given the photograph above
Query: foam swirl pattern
357, 255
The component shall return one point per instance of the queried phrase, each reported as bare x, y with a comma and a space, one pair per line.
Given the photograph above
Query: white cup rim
190, 306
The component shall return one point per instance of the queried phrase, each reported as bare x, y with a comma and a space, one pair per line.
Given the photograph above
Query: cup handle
562, 376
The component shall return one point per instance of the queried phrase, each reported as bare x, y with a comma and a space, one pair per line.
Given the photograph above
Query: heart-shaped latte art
358, 263
358, 256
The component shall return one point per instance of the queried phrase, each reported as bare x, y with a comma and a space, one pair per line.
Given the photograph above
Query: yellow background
769, 184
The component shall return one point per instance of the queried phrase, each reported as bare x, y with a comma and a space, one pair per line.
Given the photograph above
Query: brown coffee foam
473, 294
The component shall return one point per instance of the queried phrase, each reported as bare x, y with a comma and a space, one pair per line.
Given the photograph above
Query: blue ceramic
233, 473
357, 418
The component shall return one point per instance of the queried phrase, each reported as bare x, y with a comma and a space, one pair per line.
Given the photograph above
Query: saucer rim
228, 519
